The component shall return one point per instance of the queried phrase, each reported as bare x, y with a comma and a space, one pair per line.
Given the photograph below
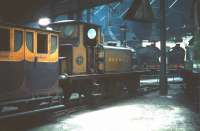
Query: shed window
42, 43
29, 41
18, 40
54, 44
4, 39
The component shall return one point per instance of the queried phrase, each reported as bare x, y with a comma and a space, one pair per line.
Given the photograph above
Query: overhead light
45, 21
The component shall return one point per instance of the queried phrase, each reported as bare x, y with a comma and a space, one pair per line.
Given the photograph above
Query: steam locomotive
85, 61
147, 58
176, 57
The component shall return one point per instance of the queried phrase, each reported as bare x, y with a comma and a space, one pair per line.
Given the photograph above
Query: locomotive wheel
109, 93
85, 94
66, 99
118, 89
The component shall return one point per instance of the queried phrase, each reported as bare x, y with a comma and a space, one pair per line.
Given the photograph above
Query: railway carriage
28, 68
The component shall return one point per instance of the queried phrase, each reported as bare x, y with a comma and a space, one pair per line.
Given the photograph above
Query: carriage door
37, 58
42, 65
29, 59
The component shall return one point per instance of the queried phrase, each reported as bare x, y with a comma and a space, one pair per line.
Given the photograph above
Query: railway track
60, 110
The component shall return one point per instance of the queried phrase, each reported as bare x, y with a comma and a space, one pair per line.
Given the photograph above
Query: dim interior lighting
44, 21
91, 33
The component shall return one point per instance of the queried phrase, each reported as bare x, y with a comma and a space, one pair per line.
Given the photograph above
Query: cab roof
73, 22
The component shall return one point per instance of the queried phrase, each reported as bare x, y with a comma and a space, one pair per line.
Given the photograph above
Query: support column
163, 75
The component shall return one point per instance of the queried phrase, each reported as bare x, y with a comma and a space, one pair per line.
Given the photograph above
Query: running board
20, 114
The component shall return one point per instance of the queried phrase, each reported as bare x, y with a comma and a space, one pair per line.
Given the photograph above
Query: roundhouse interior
99, 65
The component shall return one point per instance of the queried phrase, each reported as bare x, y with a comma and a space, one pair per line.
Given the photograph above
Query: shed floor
151, 112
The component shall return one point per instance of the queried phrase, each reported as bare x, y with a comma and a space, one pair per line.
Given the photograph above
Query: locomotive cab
77, 46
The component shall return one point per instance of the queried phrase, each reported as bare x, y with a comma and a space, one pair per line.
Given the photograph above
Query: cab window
42, 43
54, 43
29, 41
17, 40
4, 39
69, 33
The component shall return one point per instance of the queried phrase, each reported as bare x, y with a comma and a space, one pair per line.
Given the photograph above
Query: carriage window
4, 40
18, 40
54, 44
42, 43
29, 41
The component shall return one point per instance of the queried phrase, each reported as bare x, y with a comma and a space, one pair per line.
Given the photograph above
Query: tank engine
148, 57
85, 61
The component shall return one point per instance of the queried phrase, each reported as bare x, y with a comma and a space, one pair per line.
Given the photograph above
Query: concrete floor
146, 113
